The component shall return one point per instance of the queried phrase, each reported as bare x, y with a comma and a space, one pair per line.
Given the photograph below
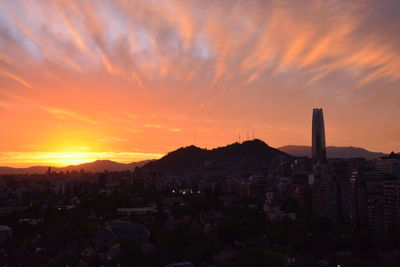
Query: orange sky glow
133, 80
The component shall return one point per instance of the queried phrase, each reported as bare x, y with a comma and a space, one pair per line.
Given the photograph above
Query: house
180, 264
5, 234
138, 211
114, 230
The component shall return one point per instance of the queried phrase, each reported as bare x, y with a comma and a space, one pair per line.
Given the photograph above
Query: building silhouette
330, 197
391, 194
318, 137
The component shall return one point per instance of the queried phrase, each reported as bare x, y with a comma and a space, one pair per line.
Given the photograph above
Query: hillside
96, 166
333, 152
102, 165
246, 154
29, 170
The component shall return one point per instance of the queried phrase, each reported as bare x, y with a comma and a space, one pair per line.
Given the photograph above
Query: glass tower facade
318, 137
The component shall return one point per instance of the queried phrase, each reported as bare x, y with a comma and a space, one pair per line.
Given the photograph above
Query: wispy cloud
243, 37
64, 114
15, 78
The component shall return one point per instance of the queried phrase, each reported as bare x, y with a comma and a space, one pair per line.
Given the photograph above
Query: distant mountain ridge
333, 152
248, 153
95, 166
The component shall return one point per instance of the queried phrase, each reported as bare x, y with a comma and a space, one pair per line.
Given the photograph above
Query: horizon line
66, 159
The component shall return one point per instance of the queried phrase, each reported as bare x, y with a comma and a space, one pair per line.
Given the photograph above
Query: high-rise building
330, 196
375, 202
324, 196
318, 137
391, 194
330, 192
388, 165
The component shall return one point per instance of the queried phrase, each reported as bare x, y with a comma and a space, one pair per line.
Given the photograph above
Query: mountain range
237, 155
333, 152
96, 166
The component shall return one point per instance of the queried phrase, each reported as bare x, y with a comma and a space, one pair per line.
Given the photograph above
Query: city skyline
127, 81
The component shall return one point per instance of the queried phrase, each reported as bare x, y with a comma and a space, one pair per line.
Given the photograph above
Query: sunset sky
128, 80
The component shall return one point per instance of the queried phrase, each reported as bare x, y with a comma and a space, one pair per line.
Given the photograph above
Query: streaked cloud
64, 114
247, 38
154, 73
15, 78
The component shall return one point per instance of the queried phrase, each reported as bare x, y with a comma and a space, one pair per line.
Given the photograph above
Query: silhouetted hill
96, 166
102, 165
333, 152
236, 155
30, 170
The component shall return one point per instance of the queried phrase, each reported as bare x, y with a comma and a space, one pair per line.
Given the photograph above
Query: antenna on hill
253, 134
239, 137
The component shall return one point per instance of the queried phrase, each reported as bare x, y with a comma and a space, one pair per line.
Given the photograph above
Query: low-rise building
5, 233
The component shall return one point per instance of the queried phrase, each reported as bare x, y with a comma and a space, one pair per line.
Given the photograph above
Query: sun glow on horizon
61, 159
68, 158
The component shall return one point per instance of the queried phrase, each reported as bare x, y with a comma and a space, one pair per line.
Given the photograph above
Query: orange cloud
15, 78
185, 68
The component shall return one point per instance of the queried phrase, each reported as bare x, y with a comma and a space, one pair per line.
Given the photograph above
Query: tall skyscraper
318, 137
